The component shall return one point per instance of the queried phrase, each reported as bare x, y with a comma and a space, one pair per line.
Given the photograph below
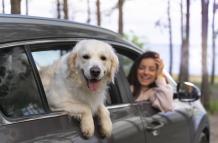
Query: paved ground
214, 128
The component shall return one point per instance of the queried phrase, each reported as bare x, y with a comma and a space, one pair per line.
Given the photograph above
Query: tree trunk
3, 6
66, 9
98, 12
88, 12
184, 59
182, 27
120, 17
27, 7
204, 35
215, 6
58, 9
182, 38
170, 38
15, 6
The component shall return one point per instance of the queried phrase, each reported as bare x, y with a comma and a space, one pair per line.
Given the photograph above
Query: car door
173, 127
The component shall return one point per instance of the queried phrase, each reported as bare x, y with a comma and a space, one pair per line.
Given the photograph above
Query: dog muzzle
93, 82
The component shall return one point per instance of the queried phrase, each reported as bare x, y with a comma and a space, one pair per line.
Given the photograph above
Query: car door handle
154, 125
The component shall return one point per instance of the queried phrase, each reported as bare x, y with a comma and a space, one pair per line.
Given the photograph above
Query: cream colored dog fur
77, 83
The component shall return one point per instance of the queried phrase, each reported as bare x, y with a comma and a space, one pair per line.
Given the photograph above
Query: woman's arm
163, 95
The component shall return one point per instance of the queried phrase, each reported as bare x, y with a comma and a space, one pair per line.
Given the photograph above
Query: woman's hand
146, 95
160, 66
161, 79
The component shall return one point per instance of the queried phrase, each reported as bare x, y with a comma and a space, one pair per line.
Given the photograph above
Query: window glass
126, 63
19, 94
45, 58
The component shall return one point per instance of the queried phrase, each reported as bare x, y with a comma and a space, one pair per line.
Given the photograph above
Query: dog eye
103, 58
86, 57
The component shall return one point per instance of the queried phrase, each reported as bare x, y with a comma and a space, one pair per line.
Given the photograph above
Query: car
28, 43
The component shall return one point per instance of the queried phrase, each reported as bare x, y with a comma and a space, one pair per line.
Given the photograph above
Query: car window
127, 62
19, 95
46, 55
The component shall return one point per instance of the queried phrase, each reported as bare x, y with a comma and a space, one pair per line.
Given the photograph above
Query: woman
148, 82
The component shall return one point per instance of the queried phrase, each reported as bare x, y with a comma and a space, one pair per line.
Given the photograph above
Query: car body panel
60, 128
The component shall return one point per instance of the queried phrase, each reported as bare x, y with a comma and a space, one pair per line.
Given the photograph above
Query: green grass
213, 103
213, 107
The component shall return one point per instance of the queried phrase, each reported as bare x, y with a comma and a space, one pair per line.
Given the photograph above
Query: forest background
184, 32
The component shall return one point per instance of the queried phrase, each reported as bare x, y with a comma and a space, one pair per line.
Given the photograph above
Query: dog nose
95, 71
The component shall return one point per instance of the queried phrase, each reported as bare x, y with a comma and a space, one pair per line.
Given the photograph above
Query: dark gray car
27, 43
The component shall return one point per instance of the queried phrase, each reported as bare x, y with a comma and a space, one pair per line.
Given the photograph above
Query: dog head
95, 61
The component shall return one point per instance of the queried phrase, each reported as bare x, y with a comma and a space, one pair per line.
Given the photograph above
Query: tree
27, 7
15, 6
120, 17
62, 8
184, 59
3, 6
65, 9
134, 39
170, 37
214, 34
204, 35
168, 25
181, 20
58, 9
88, 12
98, 12
119, 5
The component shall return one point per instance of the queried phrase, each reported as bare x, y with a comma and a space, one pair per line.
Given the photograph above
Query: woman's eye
103, 58
142, 68
152, 69
86, 57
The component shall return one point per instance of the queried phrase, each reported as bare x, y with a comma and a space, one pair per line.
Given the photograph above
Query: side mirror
188, 92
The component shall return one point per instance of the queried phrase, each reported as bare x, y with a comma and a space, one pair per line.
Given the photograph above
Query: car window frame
132, 54
121, 48
37, 79
119, 98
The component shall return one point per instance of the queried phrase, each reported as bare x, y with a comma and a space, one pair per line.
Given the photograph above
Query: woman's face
147, 72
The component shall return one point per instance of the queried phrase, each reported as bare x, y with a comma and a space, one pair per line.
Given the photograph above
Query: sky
139, 17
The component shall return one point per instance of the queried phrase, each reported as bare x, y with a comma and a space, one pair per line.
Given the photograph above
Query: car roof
14, 28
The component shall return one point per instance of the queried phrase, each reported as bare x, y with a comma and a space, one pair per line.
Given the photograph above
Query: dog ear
114, 66
71, 62
73, 56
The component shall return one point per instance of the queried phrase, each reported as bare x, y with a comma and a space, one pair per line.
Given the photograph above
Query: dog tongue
93, 85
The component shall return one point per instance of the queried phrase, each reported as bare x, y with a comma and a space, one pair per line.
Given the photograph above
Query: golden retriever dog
77, 83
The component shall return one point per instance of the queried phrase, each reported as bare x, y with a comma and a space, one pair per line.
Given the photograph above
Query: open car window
126, 62
44, 55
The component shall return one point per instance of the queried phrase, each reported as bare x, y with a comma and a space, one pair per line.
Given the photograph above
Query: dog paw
87, 130
106, 129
